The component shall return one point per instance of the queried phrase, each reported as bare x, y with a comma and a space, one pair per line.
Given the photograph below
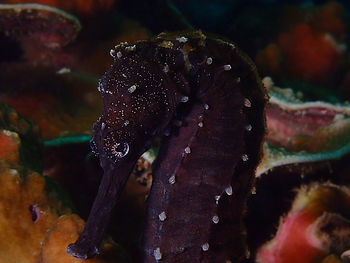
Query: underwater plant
198, 92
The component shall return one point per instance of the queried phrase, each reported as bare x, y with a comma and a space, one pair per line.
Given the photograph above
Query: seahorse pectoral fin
111, 186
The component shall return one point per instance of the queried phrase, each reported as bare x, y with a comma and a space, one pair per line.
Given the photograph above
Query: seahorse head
138, 102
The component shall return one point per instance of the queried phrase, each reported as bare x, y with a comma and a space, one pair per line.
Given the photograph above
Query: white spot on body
184, 99
132, 89
217, 198
103, 125
166, 68
245, 157
63, 70
162, 216
215, 219
172, 179
229, 190
156, 253
119, 54
209, 60
126, 123
187, 150
205, 246
227, 67
206, 106
200, 124
112, 52
248, 127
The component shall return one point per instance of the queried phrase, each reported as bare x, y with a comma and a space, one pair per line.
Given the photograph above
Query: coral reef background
52, 53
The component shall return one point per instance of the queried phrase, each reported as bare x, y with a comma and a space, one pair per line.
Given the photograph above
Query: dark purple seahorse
205, 97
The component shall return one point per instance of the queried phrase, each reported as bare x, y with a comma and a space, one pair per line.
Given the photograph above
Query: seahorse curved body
207, 98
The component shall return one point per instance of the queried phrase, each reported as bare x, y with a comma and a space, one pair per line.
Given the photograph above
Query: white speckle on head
112, 52
205, 246
162, 216
184, 99
245, 157
119, 54
215, 219
248, 127
229, 190
187, 150
172, 179
126, 123
156, 253
227, 67
132, 89
209, 60
182, 39
206, 106
247, 103
200, 124
166, 68
130, 48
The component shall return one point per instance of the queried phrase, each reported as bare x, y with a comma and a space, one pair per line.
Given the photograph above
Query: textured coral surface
316, 226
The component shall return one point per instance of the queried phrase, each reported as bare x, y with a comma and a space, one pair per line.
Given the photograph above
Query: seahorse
204, 97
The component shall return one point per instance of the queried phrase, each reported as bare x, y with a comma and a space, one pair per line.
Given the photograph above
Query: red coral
310, 55
315, 230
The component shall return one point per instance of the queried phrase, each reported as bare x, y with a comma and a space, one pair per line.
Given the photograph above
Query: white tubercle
205, 246
229, 190
156, 253
227, 67
162, 216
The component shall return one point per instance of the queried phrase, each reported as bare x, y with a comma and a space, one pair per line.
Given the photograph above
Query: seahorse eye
120, 149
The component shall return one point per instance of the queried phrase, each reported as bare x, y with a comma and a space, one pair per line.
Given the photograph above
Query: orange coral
83, 7
310, 55
43, 109
31, 227
9, 145
65, 231
35, 225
